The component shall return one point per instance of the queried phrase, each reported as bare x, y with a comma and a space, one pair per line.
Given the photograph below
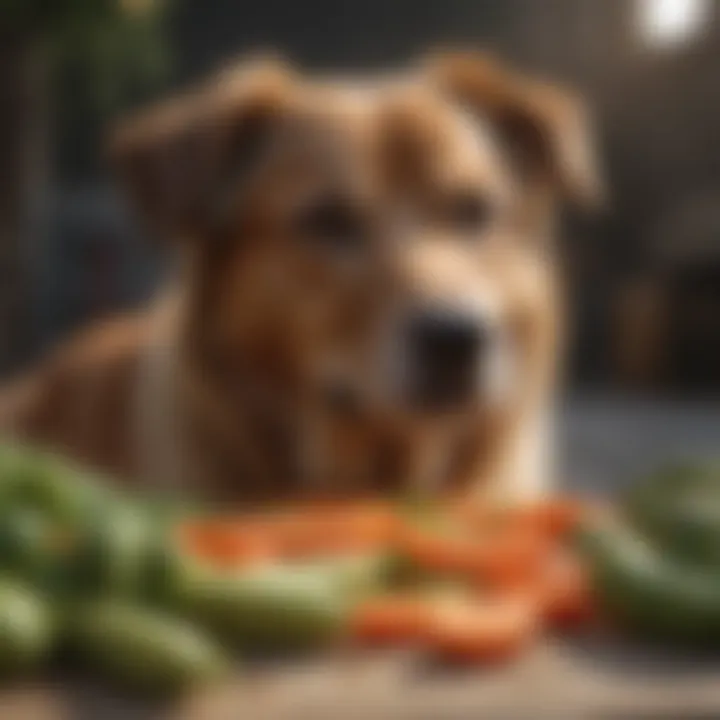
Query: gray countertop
607, 442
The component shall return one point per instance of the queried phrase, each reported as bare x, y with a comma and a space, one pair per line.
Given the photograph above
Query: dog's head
388, 240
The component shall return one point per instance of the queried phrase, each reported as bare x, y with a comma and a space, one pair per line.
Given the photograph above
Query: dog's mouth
455, 359
444, 350
439, 363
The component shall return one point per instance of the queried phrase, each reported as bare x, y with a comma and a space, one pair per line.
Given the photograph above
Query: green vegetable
64, 529
27, 629
649, 591
659, 491
355, 576
25, 542
110, 554
689, 531
678, 510
166, 571
143, 650
273, 608
40, 481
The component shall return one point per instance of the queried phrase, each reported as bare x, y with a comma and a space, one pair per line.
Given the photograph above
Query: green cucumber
678, 510
44, 482
110, 554
354, 576
273, 608
660, 491
27, 629
25, 545
143, 650
649, 591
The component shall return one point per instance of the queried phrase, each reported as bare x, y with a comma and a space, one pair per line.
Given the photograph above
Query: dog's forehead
380, 104
368, 116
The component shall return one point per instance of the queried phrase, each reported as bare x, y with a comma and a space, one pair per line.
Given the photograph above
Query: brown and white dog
366, 293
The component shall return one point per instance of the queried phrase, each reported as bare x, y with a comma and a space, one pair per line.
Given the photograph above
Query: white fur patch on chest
162, 457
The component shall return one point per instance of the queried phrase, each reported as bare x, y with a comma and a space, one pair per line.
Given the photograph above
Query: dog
366, 294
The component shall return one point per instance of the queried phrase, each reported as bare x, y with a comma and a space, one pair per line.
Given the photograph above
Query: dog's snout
446, 347
445, 337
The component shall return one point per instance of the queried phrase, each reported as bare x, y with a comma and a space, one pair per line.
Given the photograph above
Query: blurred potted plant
119, 44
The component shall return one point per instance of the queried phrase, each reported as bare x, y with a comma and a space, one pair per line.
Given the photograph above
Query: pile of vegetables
159, 596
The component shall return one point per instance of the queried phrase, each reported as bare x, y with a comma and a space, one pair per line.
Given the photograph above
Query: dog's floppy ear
547, 128
177, 160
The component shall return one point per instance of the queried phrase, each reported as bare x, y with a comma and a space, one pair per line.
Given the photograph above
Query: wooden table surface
606, 444
580, 680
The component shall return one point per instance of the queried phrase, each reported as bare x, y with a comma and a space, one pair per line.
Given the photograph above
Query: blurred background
644, 277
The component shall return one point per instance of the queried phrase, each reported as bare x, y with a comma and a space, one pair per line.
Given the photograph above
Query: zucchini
678, 510
650, 592
110, 554
27, 629
273, 608
143, 650
41, 481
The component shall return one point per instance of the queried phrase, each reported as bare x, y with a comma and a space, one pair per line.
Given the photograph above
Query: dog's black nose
446, 347
446, 338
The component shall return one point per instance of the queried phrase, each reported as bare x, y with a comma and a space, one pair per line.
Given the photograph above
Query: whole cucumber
167, 571
689, 531
143, 650
110, 554
271, 608
24, 536
42, 481
649, 591
678, 510
659, 491
27, 629
354, 576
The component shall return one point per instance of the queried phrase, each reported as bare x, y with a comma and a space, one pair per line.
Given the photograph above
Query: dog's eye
467, 211
333, 221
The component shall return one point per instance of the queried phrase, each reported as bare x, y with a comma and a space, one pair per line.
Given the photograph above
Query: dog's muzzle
446, 350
